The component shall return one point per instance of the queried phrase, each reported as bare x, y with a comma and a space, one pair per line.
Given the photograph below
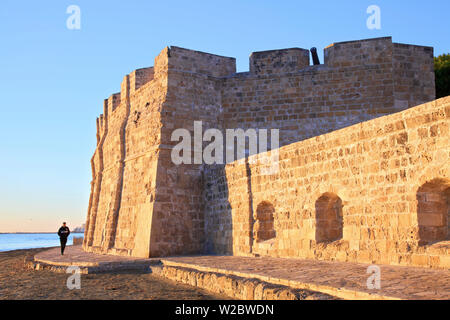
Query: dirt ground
17, 283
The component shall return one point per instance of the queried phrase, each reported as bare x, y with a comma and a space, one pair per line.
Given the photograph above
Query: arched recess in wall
263, 228
329, 218
433, 211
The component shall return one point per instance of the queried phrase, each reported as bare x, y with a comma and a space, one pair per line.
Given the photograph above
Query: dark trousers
63, 244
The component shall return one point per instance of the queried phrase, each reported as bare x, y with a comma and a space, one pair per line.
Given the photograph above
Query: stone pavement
89, 262
341, 279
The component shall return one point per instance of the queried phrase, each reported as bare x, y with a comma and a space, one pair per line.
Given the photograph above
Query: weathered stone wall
124, 165
384, 183
359, 81
178, 224
141, 203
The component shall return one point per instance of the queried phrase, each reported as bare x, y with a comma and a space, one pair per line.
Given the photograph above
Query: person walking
63, 234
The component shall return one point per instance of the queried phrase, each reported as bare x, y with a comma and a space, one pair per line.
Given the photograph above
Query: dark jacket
63, 232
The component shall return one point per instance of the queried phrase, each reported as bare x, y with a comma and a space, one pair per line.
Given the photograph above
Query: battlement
362, 52
186, 60
278, 61
135, 80
113, 102
359, 80
139, 77
371, 52
376, 52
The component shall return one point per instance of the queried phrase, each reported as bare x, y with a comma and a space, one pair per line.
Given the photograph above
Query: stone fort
364, 172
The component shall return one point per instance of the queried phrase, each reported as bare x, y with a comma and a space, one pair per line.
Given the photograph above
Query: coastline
16, 241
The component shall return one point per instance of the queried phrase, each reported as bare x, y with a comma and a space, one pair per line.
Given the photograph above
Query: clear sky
53, 80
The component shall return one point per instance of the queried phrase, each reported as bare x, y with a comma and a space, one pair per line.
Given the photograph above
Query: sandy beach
19, 283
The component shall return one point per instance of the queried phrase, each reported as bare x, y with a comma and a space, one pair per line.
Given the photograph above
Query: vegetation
442, 71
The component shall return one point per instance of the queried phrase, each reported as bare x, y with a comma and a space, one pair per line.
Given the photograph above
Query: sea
15, 241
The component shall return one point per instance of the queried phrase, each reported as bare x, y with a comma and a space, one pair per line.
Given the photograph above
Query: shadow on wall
261, 222
256, 226
433, 211
217, 211
329, 218
263, 228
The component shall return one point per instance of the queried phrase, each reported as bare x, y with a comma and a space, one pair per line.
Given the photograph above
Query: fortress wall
97, 176
377, 173
110, 152
306, 104
142, 139
217, 210
142, 134
119, 218
178, 222
355, 84
142, 204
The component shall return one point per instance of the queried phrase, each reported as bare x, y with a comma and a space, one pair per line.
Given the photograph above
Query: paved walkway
91, 262
341, 279
75, 256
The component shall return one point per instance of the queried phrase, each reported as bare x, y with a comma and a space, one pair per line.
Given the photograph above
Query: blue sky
53, 80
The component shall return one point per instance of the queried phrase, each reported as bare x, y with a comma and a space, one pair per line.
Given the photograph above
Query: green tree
442, 71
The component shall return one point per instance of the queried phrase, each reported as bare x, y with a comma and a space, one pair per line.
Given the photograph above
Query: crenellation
413, 74
279, 61
101, 121
97, 126
161, 64
113, 102
125, 88
185, 60
105, 107
369, 52
140, 77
